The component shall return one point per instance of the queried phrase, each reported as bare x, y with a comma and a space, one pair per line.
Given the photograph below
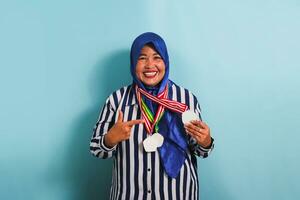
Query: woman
141, 127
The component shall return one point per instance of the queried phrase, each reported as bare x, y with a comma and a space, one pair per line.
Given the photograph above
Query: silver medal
188, 116
152, 142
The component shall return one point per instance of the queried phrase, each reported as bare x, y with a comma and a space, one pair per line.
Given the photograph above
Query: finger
194, 127
204, 125
196, 131
193, 134
134, 122
206, 129
199, 124
120, 116
192, 131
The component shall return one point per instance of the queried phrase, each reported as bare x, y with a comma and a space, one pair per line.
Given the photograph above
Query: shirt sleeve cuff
209, 147
104, 147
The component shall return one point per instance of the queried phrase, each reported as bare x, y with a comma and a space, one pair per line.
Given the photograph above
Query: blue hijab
160, 47
173, 150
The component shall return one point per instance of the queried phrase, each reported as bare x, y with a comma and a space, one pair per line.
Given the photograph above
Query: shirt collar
131, 98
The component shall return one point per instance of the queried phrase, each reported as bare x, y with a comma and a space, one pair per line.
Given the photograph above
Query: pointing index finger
134, 122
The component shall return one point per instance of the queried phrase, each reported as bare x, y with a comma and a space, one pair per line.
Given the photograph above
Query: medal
188, 116
162, 100
152, 142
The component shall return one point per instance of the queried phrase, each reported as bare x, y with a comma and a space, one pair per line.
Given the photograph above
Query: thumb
120, 116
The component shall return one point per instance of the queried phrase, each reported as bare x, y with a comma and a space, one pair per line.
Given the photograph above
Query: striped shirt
136, 173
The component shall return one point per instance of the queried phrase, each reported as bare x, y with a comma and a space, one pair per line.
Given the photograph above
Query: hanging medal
152, 142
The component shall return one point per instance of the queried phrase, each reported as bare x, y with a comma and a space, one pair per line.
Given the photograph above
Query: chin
151, 83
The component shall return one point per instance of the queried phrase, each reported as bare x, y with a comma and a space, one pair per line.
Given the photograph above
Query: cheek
138, 74
162, 69
138, 70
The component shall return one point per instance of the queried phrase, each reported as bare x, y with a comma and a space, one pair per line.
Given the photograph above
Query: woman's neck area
152, 89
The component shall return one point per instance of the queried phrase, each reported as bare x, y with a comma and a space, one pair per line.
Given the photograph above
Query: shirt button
149, 191
148, 169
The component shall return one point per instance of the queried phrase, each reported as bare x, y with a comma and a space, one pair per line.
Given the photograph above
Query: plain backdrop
59, 60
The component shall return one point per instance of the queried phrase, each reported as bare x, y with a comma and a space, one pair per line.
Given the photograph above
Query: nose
149, 63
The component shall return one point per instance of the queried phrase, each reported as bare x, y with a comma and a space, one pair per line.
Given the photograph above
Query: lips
151, 74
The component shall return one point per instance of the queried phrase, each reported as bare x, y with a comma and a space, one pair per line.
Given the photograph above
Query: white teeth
150, 74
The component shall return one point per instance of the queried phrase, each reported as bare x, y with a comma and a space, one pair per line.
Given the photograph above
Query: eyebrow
142, 54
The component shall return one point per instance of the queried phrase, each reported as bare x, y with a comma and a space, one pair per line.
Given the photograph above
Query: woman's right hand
120, 131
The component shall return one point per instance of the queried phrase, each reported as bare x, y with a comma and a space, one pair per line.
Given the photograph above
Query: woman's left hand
200, 131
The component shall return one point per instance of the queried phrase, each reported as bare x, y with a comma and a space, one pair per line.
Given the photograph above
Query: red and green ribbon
161, 99
150, 115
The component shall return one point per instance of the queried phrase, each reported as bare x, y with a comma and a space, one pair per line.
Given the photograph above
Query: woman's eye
142, 58
157, 57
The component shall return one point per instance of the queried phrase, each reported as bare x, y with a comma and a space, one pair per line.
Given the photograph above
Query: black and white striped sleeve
194, 146
104, 123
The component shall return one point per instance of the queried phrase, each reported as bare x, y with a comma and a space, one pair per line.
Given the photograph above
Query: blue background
61, 59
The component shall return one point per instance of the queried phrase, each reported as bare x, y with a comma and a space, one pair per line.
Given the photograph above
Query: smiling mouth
150, 74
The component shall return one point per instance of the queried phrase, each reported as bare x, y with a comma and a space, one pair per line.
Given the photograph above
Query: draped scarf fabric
173, 151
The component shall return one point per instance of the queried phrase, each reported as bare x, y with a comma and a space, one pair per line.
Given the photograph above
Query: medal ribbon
149, 115
163, 103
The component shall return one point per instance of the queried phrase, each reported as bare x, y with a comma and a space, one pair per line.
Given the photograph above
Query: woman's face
150, 67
